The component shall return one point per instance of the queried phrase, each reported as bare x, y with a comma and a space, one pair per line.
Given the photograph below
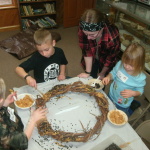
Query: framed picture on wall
7, 3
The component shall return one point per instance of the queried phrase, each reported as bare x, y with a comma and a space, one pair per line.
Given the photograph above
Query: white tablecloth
126, 132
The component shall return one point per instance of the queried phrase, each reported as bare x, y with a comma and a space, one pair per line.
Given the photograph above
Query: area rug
22, 44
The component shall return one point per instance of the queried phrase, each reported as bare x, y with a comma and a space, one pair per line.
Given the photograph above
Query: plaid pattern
108, 47
12, 136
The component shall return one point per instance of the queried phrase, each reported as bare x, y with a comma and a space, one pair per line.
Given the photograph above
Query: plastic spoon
39, 92
12, 91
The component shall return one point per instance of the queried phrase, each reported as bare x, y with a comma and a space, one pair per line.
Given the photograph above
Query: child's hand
106, 80
61, 77
127, 93
83, 75
31, 81
9, 99
38, 114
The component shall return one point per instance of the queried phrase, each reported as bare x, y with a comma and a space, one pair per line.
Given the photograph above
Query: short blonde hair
42, 36
2, 89
134, 55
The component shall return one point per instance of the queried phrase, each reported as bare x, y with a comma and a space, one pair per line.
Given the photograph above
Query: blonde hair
134, 55
2, 89
42, 36
94, 16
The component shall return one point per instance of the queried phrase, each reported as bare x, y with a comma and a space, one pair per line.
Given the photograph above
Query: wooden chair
140, 112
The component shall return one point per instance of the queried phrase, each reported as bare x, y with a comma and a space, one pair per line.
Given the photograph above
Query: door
73, 10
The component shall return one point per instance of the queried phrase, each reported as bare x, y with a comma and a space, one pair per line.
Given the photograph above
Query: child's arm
107, 79
30, 81
112, 74
88, 65
103, 72
35, 116
21, 138
138, 90
129, 93
62, 74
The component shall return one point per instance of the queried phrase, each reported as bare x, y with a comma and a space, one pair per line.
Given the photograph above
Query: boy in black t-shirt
48, 62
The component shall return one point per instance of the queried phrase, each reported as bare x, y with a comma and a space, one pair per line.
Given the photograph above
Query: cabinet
133, 21
40, 12
9, 17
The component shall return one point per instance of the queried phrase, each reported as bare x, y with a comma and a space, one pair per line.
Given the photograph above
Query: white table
62, 109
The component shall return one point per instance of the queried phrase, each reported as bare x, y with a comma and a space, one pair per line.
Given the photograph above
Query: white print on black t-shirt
122, 77
51, 72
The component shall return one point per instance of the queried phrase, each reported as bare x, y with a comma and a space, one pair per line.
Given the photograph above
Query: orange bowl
117, 117
25, 101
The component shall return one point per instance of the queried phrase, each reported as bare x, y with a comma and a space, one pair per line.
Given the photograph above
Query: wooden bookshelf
40, 12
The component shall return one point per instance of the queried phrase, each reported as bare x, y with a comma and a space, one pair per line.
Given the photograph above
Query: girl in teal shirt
128, 78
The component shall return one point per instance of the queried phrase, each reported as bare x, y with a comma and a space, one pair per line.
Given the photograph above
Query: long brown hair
94, 16
134, 55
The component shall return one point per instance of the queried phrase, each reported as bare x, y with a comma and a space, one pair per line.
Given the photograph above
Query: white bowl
118, 116
93, 82
21, 96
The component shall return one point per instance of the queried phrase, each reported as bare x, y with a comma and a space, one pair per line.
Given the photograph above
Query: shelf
46, 14
147, 67
138, 33
44, 1
136, 10
41, 12
133, 19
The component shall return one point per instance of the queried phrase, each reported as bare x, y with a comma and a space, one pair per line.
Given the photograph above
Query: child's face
128, 67
46, 49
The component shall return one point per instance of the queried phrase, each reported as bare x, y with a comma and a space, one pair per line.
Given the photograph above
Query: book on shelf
42, 22
45, 22
51, 21
32, 22
25, 23
37, 13
28, 9
22, 11
25, 10
31, 10
53, 8
49, 8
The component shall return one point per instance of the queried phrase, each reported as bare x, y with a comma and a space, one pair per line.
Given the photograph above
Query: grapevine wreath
44, 127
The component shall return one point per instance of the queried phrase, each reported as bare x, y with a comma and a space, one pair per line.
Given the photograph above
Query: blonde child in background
48, 62
128, 78
12, 136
